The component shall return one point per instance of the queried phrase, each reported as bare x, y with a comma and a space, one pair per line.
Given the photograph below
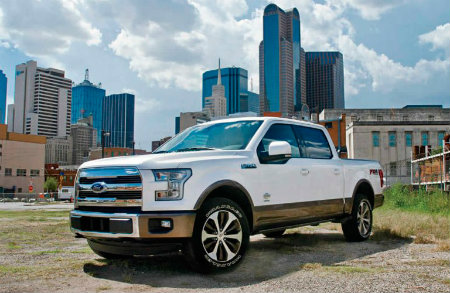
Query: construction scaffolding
431, 168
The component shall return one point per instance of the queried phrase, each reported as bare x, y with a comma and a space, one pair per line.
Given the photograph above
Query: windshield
224, 136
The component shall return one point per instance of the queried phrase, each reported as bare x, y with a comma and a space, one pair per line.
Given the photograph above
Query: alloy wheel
222, 236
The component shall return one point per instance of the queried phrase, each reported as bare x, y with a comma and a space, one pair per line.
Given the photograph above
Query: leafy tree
51, 184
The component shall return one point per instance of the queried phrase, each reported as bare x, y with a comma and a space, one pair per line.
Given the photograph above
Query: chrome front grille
109, 187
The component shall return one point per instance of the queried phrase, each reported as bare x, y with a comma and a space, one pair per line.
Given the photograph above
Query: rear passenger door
325, 174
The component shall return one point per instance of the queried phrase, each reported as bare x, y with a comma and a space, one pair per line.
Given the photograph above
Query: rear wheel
274, 234
359, 226
220, 237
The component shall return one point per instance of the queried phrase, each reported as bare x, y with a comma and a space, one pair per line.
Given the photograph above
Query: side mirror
278, 150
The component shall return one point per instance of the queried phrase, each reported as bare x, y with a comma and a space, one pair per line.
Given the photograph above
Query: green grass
404, 198
413, 213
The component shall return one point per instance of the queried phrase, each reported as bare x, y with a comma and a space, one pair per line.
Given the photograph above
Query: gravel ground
305, 260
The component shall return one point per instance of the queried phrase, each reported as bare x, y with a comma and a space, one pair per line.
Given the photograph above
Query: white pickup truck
209, 188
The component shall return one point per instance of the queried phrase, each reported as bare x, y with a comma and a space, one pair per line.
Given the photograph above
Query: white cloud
166, 56
368, 9
45, 28
385, 73
439, 38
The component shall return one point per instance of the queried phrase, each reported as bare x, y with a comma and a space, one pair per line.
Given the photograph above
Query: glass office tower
87, 99
280, 62
3, 83
118, 120
235, 81
324, 80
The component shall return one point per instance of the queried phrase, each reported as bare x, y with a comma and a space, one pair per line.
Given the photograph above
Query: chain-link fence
432, 171
27, 197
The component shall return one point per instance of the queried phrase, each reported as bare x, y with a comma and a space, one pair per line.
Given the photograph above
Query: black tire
274, 234
225, 251
354, 230
107, 255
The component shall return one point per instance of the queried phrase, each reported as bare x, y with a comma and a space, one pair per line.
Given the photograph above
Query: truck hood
165, 160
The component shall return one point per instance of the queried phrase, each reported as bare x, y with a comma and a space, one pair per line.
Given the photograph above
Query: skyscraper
324, 80
42, 101
280, 64
216, 104
87, 100
3, 83
118, 120
235, 81
84, 138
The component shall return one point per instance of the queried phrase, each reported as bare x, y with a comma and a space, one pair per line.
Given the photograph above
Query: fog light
166, 224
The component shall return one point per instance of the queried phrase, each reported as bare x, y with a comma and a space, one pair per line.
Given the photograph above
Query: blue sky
395, 52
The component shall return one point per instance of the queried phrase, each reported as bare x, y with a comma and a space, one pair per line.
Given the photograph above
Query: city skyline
391, 60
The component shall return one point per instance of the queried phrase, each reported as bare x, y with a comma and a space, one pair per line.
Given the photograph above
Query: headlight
175, 179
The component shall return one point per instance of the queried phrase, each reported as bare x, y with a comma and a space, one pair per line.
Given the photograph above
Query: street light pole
104, 133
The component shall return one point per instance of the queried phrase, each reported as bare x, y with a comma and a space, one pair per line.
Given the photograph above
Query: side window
279, 132
313, 143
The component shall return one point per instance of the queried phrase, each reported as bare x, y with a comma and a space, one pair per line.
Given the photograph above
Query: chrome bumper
182, 224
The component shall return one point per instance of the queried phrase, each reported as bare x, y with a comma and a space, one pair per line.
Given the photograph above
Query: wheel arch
363, 186
231, 190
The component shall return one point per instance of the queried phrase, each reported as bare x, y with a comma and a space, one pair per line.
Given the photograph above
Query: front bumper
132, 225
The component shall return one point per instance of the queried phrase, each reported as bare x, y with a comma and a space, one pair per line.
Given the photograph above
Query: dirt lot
39, 254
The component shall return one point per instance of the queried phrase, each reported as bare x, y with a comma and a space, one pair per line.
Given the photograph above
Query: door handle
305, 171
337, 171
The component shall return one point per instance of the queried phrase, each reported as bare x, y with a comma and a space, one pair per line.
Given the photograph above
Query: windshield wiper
159, 152
195, 149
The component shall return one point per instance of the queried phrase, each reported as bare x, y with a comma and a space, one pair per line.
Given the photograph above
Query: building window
328, 125
392, 139
408, 139
8, 172
440, 138
424, 138
379, 118
405, 117
354, 118
393, 169
21, 172
376, 138
19, 190
34, 173
430, 118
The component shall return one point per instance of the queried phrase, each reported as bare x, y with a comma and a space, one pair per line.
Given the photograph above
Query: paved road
20, 206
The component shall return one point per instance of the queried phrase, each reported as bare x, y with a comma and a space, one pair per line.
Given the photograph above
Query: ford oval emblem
99, 187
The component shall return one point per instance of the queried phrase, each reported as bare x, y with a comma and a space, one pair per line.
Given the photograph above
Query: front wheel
359, 226
220, 237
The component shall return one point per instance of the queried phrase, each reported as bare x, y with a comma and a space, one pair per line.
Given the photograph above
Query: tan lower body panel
273, 215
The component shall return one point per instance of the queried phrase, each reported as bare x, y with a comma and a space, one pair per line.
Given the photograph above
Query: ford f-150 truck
209, 188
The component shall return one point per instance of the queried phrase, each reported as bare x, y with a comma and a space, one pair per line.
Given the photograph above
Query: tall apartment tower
42, 101
280, 63
324, 80
87, 100
216, 104
118, 120
3, 83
